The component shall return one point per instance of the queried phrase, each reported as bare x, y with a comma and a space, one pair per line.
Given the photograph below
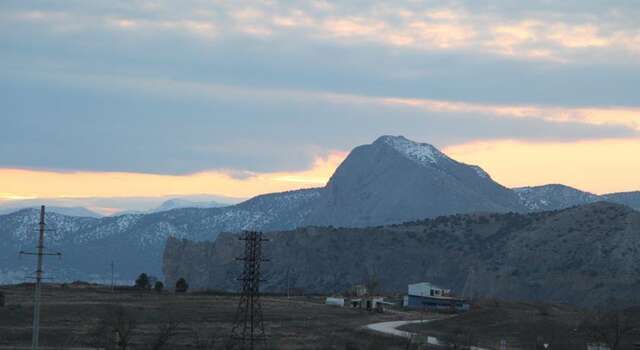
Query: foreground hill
584, 255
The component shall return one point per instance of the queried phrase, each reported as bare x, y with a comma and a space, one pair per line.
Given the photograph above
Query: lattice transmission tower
248, 329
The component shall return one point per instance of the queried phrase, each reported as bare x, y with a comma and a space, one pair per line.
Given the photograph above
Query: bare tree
538, 332
166, 331
115, 330
69, 342
203, 339
610, 328
459, 338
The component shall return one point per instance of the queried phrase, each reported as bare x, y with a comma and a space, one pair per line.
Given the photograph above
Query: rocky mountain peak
421, 153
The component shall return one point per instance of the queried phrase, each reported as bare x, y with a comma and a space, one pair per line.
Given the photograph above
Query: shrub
182, 286
143, 281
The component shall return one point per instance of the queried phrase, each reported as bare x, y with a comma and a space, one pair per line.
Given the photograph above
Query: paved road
390, 328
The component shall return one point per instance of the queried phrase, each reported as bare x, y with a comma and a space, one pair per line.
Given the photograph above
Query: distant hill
135, 241
631, 199
556, 196
583, 255
68, 211
177, 203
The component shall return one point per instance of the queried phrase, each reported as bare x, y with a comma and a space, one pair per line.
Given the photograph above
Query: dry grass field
530, 325
72, 318
76, 318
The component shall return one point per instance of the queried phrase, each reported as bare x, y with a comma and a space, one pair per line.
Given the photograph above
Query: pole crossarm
47, 254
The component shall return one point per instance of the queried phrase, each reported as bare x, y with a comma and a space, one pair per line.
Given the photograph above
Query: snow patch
422, 153
481, 172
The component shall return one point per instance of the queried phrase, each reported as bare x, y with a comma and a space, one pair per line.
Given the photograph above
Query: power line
40, 253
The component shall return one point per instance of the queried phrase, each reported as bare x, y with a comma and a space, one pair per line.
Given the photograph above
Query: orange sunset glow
600, 167
597, 166
29, 184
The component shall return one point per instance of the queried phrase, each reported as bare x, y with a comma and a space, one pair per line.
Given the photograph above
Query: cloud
536, 30
628, 117
181, 127
248, 88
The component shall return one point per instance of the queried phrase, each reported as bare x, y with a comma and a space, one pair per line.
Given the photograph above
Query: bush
143, 282
158, 286
182, 286
117, 320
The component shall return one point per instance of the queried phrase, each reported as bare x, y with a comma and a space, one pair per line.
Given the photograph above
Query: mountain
583, 255
631, 199
390, 181
135, 242
177, 203
394, 180
554, 196
68, 211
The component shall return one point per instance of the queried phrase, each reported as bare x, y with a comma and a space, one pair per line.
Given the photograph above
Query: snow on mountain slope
421, 153
557, 196
390, 181
177, 203
136, 241
553, 196
393, 180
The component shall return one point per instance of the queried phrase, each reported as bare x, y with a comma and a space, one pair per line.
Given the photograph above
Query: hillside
583, 255
134, 241
557, 196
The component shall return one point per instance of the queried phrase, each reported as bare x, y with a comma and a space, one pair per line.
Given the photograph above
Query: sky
115, 99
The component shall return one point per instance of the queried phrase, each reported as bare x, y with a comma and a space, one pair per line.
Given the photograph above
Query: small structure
334, 301
369, 304
427, 296
426, 289
359, 290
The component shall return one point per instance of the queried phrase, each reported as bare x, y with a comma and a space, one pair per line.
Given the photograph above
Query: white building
426, 289
334, 301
